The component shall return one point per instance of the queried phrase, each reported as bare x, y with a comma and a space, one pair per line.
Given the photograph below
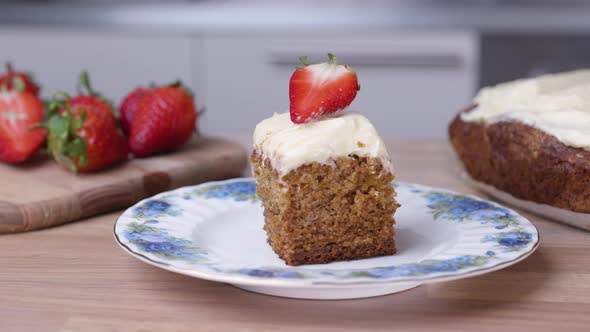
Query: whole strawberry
83, 132
89, 98
17, 80
164, 121
130, 105
20, 115
321, 88
97, 104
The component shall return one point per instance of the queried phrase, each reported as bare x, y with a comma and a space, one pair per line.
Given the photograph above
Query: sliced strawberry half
20, 115
319, 89
18, 80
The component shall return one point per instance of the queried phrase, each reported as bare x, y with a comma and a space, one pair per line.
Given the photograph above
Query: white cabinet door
411, 83
117, 62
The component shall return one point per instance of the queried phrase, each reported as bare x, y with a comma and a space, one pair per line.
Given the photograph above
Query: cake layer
525, 162
320, 213
558, 104
289, 146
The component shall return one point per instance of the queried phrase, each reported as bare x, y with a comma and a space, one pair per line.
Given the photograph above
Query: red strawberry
105, 144
164, 121
83, 136
19, 81
90, 99
20, 112
321, 88
97, 104
130, 105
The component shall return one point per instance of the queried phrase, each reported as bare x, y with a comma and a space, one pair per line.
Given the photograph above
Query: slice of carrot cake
325, 187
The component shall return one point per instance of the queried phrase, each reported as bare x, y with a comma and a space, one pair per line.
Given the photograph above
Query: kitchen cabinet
411, 83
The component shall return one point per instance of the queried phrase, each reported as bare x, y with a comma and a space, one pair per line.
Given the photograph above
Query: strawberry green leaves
63, 141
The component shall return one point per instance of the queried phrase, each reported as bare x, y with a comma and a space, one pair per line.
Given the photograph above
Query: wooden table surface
75, 278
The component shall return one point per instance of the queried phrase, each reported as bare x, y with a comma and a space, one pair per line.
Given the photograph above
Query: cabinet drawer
411, 83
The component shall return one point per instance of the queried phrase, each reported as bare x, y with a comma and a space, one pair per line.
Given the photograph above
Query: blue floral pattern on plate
154, 240
512, 241
153, 208
150, 229
454, 207
423, 268
240, 191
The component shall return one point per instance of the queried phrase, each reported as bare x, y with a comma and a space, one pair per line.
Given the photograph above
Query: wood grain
40, 194
75, 278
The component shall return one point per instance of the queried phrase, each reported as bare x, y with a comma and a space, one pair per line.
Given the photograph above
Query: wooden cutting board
41, 194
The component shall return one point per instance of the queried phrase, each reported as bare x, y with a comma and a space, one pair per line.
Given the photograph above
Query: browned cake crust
525, 162
320, 213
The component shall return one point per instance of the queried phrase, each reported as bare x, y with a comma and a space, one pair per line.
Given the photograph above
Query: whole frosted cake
325, 182
531, 138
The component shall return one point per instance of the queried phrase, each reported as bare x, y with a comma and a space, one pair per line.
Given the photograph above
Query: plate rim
294, 283
567, 217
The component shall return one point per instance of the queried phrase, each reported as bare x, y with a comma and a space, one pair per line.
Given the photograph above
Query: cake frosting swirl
558, 104
288, 145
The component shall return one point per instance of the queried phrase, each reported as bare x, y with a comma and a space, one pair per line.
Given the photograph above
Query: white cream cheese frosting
288, 145
558, 104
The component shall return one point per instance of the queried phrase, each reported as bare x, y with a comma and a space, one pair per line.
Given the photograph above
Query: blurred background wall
418, 62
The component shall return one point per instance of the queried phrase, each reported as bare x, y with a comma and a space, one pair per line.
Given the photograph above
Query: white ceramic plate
580, 220
214, 231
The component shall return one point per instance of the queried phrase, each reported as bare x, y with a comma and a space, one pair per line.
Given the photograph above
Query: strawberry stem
85, 84
331, 58
176, 84
180, 85
304, 60
8, 67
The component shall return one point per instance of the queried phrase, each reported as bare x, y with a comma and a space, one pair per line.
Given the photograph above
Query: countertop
75, 278
234, 16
